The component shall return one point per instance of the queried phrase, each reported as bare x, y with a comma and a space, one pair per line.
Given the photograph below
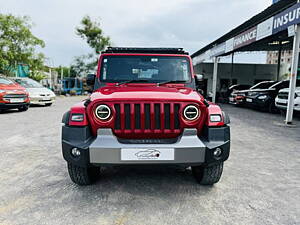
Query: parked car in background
264, 99
281, 100
12, 95
234, 88
239, 97
38, 94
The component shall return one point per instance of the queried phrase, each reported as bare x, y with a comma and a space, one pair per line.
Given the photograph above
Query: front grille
282, 104
284, 95
147, 117
14, 96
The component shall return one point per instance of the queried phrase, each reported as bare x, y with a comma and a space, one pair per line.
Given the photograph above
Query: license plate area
147, 154
16, 100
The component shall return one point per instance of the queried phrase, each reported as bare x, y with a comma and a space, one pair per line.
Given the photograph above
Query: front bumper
282, 103
12, 105
106, 148
41, 100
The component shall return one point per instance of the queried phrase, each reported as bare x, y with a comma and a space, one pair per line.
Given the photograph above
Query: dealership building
273, 30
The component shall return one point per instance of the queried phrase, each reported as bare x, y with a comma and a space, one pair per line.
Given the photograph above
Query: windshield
28, 83
263, 85
152, 69
5, 81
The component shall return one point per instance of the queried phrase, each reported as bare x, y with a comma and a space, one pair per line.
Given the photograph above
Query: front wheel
23, 108
208, 175
83, 175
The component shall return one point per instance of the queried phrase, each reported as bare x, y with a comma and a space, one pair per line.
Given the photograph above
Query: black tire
83, 175
272, 108
48, 104
23, 108
208, 175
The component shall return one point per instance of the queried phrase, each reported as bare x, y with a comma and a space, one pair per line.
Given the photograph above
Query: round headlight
103, 112
191, 112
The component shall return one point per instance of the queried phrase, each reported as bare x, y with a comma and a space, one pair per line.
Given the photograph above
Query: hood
11, 87
39, 91
139, 92
287, 90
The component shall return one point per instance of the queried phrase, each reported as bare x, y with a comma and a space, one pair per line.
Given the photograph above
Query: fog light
75, 152
217, 152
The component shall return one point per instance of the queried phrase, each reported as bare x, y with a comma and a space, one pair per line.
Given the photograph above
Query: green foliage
38, 76
66, 71
17, 44
93, 34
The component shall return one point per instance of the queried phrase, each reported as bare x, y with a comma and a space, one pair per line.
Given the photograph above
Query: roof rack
146, 50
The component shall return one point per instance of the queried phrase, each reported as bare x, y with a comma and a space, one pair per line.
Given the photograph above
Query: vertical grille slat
147, 117
127, 117
162, 116
176, 116
118, 117
172, 116
167, 116
157, 116
137, 118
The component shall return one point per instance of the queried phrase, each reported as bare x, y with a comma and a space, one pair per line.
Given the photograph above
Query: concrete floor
260, 183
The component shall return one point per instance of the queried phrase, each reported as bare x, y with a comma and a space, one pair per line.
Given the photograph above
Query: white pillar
215, 78
293, 76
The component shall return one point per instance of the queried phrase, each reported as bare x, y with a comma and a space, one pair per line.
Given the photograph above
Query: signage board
245, 38
287, 18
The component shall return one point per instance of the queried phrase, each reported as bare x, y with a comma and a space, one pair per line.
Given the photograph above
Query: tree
18, 44
91, 32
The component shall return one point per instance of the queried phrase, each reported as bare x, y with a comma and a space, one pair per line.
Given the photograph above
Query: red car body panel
145, 93
14, 89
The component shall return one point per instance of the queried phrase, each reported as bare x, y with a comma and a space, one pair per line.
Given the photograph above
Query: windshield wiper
171, 81
131, 81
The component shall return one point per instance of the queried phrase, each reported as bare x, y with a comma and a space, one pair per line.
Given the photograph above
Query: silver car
38, 94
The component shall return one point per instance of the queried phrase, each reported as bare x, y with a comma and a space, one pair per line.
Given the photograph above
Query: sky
190, 24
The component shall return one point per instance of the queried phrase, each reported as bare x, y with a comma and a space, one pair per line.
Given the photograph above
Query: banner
287, 18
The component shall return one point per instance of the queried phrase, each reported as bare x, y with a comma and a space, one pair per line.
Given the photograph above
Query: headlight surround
77, 117
215, 118
262, 97
103, 112
191, 112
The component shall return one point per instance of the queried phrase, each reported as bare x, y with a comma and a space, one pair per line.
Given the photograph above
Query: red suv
145, 110
12, 95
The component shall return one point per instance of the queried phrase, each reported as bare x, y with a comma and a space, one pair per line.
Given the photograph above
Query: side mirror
90, 80
199, 77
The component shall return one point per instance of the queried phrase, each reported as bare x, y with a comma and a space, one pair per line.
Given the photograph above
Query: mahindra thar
145, 110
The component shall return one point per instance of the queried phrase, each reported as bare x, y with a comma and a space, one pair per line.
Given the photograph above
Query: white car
38, 94
281, 100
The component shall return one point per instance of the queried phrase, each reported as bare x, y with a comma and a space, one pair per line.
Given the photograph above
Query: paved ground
260, 183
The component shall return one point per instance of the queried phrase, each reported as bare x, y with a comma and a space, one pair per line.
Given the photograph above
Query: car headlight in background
103, 112
262, 97
77, 117
215, 118
191, 112
2, 91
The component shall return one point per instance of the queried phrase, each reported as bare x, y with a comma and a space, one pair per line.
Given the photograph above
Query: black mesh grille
160, 120
147, 116
157, 115
127, 116
117, 118
137, 116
